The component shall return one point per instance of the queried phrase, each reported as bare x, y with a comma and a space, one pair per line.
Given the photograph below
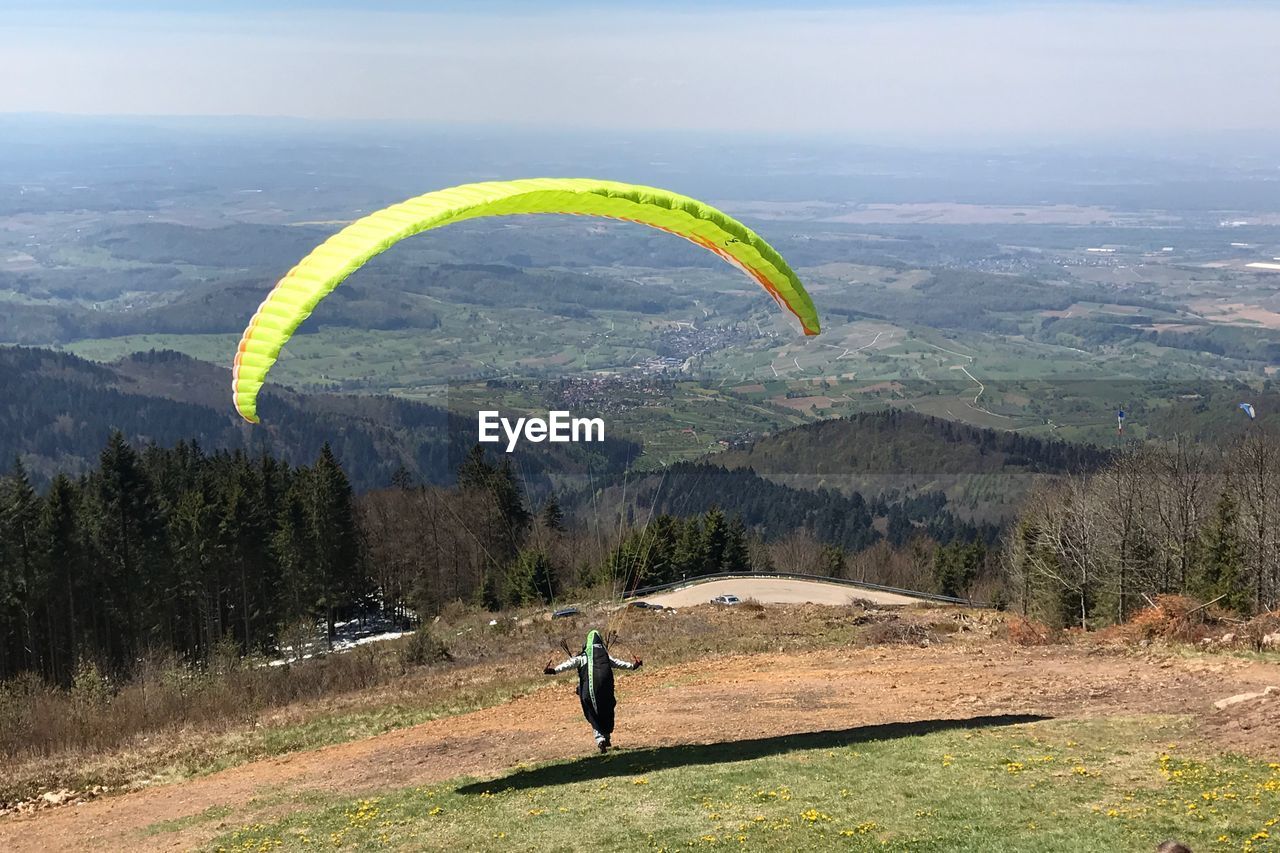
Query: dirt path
739, 697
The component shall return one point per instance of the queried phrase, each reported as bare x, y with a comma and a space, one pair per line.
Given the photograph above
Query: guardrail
680, 584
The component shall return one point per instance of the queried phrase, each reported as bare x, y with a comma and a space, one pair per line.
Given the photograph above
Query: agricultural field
982, 377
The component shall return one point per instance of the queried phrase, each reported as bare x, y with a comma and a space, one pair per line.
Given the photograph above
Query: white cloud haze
880, 70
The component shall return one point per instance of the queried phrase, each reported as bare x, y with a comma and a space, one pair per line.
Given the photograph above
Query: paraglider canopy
1247, 408
296, 295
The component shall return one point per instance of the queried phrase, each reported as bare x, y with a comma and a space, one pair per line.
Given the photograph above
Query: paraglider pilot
595, 684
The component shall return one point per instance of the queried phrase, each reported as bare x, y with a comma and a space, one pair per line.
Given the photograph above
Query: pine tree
736, 556
193, 526
956, 566
689, 557
243, 537
129, 539
475, 471
340, 568
899, 528
544, 577
831, 562
510, 503
502, 527
70, 583
1222, 573
293, 549
715, 538
21, 552
658, 556
552, 515
530, 578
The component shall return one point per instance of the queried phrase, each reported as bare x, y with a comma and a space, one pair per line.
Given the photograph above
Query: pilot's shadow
632, 762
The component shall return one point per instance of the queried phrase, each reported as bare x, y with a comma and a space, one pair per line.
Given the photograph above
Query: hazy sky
859, 68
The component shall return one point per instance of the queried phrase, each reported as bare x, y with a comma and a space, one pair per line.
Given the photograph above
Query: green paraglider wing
296, 295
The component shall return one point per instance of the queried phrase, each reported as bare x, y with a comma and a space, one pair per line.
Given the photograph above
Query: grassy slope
176, 753
493, 666
1119, 784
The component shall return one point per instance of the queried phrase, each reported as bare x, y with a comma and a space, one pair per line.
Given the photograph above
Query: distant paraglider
1247, 408
296, 295
1120, 423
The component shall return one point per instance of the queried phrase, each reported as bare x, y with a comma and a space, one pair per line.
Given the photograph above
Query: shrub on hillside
1022, 631
895, 631
423, 649
1260, 631
1173, 617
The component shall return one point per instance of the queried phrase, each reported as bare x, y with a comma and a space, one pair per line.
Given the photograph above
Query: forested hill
983, 471
57, 412
894, 441
774, 511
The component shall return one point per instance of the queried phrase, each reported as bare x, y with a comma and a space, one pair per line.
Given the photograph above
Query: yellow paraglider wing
296, 295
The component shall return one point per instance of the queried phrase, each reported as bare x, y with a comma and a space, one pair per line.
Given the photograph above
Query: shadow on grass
629, 762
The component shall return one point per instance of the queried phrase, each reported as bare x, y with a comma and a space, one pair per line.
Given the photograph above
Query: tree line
175, 549
187, 551
772, 510
1175, 517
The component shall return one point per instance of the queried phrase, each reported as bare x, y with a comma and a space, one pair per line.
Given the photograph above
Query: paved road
775, 591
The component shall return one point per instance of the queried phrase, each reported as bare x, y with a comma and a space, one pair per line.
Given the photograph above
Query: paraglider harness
595, 684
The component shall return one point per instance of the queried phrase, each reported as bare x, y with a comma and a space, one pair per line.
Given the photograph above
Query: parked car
726, 600
645, 605
564, 612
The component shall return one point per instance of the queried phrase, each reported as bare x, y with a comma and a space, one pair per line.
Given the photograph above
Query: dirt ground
738, 698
